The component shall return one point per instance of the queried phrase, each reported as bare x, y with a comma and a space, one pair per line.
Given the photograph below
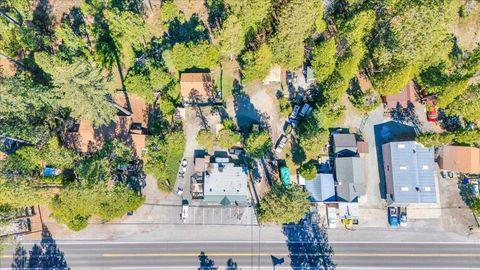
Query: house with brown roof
403, 98
196, 87
129, 126
464, 159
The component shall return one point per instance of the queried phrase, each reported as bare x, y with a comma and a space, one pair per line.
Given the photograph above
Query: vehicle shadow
308, 246
45, 255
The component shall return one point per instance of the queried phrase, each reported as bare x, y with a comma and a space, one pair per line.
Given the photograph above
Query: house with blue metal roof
409, 173
321, 188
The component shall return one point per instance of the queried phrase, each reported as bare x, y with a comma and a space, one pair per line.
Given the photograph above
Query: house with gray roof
409, 173
225, 184
321, 188
344, 143
350, 176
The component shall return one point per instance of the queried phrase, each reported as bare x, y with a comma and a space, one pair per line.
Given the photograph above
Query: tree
435, 139
77, 203
228, 138
256, 64
393, 81
26, 109
312, 139
258, 144
139, 84
206, 139
163, 158
466, 105
19, 192
323, 60
283, 205
231, 37
252, 13
308, 170
295, 22
469, 137
229, 123
80, 87
202, 55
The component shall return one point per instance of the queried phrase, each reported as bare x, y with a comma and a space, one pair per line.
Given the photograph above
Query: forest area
66, 62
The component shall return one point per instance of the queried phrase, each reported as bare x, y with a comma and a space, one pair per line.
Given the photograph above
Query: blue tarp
48, 171
285, 175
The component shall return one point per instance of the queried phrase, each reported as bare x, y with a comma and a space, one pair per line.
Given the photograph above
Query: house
403, 98
130, 126
275, 76
225, 184
350, 176
196, 87
345, 144
409, 173
321, 188
463, 159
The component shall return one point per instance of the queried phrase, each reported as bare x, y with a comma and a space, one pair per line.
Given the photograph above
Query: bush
308, 170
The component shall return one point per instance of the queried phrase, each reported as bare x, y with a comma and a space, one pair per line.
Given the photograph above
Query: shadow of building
45, 255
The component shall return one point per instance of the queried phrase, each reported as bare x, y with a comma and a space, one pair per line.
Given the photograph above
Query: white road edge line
108, 242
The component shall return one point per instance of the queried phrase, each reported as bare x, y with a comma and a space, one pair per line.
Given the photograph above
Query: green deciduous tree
323, 60
206, 139
231, 37
469, 137
80, 87
77, 203
228, 138
295, 22
283, 205
252, 13
256, 64
308, 170
258, 144
467, 105
202, 55
16, 193
435, 139
138, 83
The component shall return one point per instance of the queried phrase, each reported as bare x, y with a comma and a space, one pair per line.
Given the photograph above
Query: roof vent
404, 188
428, 189
425, 167
403, 167
401, 146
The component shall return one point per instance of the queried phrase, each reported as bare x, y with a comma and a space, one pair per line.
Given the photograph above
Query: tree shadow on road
45, 255
308, 245
205, 262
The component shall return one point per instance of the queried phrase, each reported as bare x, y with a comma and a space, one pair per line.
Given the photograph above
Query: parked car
304, 110
184, 214
295, 111
393, 217
403, 216
281, 142
289, 77
332, 217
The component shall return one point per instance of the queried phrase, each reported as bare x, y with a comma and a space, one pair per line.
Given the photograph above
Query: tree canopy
258, 144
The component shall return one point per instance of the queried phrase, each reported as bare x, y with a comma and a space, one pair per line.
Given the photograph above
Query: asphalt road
248, 255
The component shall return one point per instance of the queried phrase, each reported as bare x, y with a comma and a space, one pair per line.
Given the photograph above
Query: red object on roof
405, 96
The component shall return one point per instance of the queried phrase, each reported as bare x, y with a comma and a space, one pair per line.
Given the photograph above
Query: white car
332, 217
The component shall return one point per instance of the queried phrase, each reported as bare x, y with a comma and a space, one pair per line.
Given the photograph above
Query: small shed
362, 148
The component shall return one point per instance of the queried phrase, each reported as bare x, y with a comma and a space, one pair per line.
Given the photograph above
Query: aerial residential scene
239, 134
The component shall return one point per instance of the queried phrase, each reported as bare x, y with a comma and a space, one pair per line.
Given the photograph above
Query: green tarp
285, 175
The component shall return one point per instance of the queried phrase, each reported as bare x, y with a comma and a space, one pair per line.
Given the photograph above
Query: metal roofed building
350, 175
409, 173
225, 184
322, 188
344, 142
